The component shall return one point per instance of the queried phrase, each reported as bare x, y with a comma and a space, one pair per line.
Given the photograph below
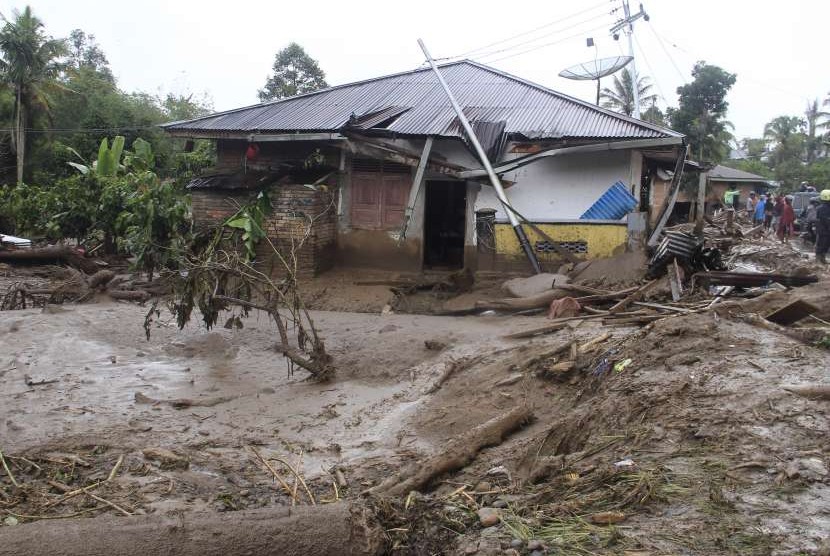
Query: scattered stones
483, 486
607, 518
499, 503
166, 459
435, 345
535, 544
517, 543
488, 517
512, 379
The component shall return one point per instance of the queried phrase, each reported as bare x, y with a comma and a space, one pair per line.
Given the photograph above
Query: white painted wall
560, 188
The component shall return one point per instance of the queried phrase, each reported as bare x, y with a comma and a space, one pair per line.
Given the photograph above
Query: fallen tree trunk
129, 295
278, 531
50, 255
812, 391
455, 455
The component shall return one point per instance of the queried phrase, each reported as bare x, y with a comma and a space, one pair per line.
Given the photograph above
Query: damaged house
382, 171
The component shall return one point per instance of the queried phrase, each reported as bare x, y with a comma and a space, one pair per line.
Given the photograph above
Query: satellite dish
595, 69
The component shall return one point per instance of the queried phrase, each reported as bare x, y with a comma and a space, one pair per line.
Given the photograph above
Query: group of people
777, 214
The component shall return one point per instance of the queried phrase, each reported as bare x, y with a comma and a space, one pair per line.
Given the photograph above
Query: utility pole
626, 25
494, 179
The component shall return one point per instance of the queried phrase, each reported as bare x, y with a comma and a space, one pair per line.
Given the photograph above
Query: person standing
751, 201
823, 227
760, 207
730, 197
769, 207
786, 220
776, 212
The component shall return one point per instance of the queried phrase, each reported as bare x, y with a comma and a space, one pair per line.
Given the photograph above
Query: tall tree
84, 53
621, 97
701, 112
295, 73
786, 134
30, 66
812, 115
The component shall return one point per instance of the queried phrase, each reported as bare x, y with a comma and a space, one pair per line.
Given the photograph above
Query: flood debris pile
57, 274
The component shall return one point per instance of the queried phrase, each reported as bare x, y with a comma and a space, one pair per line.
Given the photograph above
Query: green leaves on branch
250, 221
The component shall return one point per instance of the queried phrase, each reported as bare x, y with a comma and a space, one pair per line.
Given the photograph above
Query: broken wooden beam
792, 312
754, 279
632, 297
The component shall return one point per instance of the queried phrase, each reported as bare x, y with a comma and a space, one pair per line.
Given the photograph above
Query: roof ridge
311, 93
584, 103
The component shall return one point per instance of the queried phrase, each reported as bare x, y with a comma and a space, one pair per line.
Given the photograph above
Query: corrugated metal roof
612, 205
422, 108
724, 173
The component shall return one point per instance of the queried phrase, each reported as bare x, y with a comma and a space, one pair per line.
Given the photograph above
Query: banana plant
109, 159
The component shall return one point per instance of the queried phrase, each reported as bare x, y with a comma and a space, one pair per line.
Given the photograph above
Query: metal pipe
494, 179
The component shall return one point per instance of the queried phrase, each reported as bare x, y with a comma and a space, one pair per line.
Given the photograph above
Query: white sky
226, 49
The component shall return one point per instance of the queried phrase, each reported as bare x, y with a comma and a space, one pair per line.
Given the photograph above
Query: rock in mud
166, 459
607, 518
534, 285
488, 517
435, 345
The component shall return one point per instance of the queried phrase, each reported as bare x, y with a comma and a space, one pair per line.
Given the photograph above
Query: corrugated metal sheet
422, 108
612, 205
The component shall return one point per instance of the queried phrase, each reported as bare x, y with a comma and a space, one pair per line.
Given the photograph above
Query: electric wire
547, 35
545, 45
549, 24
668, 54
651, 70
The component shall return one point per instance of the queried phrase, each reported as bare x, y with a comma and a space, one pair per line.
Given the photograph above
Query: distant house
347, 157
722, 177
719, 179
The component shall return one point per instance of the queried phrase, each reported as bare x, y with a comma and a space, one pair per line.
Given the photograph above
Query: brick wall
302, 219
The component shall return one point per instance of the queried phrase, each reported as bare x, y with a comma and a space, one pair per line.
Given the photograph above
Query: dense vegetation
793, 149
61, 178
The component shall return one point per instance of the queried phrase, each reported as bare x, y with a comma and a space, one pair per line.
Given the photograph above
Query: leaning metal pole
494, 179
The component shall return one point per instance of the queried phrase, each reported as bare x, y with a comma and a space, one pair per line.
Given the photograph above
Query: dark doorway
445, 214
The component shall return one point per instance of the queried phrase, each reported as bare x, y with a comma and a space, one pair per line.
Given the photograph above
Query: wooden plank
792, 312
632, 297
668, 206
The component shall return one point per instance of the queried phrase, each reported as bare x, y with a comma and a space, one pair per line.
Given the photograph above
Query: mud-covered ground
712, 454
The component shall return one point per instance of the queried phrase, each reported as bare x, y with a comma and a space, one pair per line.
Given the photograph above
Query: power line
554, 22
743, 76
546, 35
545, 45
651, 70
81, 130
663, 46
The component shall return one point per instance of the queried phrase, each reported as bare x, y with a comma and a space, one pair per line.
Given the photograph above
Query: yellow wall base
604, 240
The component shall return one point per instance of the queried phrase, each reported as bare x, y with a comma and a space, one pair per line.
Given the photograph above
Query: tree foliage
701, 112
29, 65
621, 97
295, 73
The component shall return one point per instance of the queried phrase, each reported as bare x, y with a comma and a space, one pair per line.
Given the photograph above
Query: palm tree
621, 97
787, 134
812, 115
29, 65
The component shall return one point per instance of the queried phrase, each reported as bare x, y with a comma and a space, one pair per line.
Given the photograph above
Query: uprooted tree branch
216, 278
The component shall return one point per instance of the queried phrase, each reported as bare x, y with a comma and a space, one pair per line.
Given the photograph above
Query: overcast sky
225, 49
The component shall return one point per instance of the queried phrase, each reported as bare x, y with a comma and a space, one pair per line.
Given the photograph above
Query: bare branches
218, 278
